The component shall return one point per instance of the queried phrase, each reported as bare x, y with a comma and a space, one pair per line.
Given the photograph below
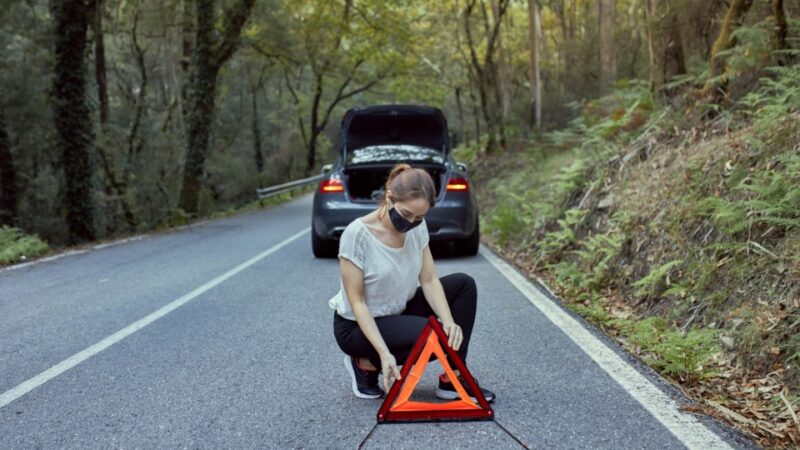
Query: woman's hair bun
414, 183
396, 170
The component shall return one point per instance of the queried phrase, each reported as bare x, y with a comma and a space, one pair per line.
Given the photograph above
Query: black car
371, 141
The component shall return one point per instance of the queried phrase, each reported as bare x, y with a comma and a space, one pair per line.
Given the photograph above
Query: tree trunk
311, 155
202, 88
135, 143
563, 55
71, 112
780, 32
650, 23
503, 78
475, 115
461, 125
208, 57
100, 61
187, 39
116, 187
606, 11
484, 76
258, 154
534, 73
8, 179
664, 43
717, 82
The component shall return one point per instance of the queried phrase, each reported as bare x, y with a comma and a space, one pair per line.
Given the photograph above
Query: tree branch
340, 95
297, 103
281, 57
235, 18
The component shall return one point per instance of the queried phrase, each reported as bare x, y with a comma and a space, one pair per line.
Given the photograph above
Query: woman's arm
353, 281
434, 294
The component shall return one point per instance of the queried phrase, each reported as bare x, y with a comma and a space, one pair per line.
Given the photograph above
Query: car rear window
393, 153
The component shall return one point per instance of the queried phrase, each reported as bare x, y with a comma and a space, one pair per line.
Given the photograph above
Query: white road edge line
684, 427
42, 378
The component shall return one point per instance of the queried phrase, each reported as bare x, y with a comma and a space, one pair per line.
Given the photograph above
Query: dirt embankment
683, 242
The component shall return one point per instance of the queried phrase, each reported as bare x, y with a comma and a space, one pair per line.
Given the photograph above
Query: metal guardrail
278, 189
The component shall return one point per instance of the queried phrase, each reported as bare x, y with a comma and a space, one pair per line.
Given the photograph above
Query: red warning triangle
398, 408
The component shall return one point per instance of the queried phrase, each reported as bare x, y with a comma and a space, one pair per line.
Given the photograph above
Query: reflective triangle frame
397, 407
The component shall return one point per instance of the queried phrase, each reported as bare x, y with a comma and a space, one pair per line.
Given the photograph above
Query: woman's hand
389, 370
454, 335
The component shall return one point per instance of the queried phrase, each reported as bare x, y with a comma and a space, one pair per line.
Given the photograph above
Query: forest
639, 156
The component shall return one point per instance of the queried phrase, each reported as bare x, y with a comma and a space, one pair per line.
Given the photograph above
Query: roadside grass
677, 236
16, 246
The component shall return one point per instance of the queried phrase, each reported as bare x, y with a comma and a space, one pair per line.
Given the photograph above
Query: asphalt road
247, 358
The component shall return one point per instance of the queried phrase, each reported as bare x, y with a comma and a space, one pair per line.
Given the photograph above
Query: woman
389, 287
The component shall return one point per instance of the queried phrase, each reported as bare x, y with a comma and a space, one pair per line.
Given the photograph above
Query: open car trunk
365, 183
395, 125
374, 139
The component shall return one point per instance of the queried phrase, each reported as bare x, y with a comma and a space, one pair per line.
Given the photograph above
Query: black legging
400, 332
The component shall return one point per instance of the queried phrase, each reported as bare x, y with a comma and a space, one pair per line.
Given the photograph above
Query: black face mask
400, 224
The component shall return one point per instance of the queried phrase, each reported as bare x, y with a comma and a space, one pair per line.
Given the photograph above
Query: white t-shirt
391, 275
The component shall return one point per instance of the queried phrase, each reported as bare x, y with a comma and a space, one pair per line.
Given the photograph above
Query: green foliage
683, 355
775, 100
726, 215
649, 285
568, 274
594, 310
768, 197
614, 118
507, 218
525, 203
752, 49
686, 355
596, 255
467, 152
554, 242
569, 179
177, 217
645, 333
16, 246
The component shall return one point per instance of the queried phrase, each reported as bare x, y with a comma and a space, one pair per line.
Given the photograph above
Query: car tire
470, 245
322, 248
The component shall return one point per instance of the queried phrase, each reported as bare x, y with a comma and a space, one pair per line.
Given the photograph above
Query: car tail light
331, 185
458, 184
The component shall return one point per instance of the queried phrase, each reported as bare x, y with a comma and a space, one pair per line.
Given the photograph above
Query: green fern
595, 311
727, 246
567, 273
772, 199
777, 97
647, 285
554, 242
570, 179
645, 333
596, 255
685, 356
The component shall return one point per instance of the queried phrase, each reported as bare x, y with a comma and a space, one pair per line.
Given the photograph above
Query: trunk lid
394, 133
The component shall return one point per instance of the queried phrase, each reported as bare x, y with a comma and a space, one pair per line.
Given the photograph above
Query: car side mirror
326, 168
461, 166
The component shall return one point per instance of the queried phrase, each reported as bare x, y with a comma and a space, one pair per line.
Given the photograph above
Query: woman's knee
460, 288
465, 282
460, 279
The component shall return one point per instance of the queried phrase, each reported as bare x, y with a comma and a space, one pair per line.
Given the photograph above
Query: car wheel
322, 248
470, 245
